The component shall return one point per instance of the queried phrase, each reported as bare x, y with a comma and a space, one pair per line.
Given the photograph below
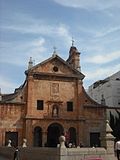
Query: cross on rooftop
54, 49
73, 41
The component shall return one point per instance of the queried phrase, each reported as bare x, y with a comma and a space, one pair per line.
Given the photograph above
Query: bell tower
74, 57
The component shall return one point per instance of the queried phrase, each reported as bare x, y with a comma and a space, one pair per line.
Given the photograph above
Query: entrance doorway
72, 135
53, 133
13, 136
37, 137
95, 139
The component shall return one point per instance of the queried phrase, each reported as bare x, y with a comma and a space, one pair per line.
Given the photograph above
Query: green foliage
115, 124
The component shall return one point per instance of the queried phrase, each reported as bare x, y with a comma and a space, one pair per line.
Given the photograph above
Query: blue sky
31, 28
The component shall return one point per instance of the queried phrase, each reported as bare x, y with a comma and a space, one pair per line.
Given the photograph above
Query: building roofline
59, 58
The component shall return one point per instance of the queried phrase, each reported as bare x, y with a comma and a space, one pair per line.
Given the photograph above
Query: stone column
28, 132
30, 97
81, 132
44, 138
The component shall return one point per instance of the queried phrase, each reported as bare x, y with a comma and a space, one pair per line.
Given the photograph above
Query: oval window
55, 69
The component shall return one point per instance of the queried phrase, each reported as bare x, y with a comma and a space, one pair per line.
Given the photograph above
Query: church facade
52, 101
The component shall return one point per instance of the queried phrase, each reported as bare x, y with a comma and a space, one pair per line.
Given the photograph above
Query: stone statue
55, 111
24, 143
9, 143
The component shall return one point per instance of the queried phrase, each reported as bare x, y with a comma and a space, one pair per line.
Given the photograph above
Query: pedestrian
81, 145
117, 149
16, 154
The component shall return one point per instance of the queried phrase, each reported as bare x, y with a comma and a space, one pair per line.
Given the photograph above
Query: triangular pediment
56, 65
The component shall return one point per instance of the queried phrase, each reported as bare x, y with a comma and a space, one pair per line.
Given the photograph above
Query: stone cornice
12, 103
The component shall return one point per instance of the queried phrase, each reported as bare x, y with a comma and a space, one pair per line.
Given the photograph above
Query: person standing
16, 154
117, 148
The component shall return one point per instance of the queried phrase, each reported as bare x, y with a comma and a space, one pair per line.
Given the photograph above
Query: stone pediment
55, 66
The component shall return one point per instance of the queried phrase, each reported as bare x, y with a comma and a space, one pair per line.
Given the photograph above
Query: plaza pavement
3, 158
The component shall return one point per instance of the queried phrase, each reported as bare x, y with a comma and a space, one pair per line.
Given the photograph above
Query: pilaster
44, 138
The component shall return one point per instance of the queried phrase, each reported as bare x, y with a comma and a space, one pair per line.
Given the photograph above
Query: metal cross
73, 41
54, 49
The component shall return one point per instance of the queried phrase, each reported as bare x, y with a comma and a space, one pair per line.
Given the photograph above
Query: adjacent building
52, 101
107, 91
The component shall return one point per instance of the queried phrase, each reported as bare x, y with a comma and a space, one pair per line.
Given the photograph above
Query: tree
115, 124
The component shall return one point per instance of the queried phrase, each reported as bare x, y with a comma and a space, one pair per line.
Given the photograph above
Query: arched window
37, 137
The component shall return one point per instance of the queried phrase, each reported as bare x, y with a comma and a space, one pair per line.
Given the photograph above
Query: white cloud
107, 31
64, 33
34, 48
101, 73
32, 29
103, 58
37, 27
38, 42
24, 24
7, 85
89, 4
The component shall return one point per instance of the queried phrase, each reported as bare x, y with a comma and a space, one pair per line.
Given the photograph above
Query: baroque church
51, 102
